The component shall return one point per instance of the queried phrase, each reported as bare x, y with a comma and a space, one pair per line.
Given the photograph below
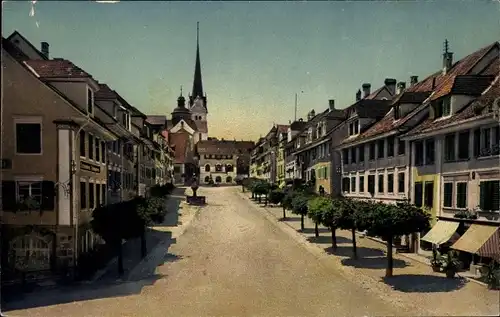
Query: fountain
195, 199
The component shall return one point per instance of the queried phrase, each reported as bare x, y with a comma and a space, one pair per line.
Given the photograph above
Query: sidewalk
155, 235
413, 283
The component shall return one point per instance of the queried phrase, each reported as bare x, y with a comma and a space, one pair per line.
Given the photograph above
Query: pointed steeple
197, 82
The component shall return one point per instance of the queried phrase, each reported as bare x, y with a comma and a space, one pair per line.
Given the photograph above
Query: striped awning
474, 238
491, 248
441, 232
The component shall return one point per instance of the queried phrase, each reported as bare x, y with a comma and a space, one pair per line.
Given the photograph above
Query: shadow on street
311, 230
326, 240
372, 263
70, 294
288, 219
412, 283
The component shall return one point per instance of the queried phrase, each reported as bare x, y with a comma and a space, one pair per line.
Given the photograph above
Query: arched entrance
190, 170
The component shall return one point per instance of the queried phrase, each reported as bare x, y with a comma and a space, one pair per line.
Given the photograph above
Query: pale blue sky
255, 55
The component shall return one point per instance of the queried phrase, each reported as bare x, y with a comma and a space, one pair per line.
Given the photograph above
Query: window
371, 184
489, 195
429, 194
30, 252
218, 179
488, 140
207, 179
28, 138
229, 179
103, 194
91, 147
463, 145
229, 168
448, 195
97, 195
362, 153
429, 151
207, 168
97, 149
401, 147
462, 195
477, 142
90, 101
356, 127
443, 107
419, 153
353, 184
82, 143
218, 168
372, 151
345, 156
353, 154
390, 183
361, 184
381, 183
401, 182
449, 147
345, 184
103, 151
83, 195
381, 148
418, 194
29, 189
91, 196
390, 146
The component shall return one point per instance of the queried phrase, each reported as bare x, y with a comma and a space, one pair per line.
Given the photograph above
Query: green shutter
482, 195
495, 195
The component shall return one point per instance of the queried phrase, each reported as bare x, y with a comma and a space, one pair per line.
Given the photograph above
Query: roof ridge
487, 50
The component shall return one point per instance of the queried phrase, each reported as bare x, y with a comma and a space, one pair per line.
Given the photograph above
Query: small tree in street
348, 221
387, 221
286, 203
259, 189
316, 207
332, 212
276, 196
299, 206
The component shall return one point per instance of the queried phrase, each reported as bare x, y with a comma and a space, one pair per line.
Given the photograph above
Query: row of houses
434, 142
69, 144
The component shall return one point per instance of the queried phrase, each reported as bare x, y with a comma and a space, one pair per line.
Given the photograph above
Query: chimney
413, 80
401, 87
358, 95
366, 90
447, 58
331, 104
45, 49
390, 83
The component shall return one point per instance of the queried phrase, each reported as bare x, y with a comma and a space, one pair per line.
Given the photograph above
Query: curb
416, 259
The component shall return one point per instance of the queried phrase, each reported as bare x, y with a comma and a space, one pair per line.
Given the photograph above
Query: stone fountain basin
196, 200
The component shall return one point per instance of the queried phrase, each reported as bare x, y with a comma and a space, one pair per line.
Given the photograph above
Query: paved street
234, 259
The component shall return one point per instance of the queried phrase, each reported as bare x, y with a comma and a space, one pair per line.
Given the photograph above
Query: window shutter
495, 195
477, 142
9, 195
48, 195
482, 195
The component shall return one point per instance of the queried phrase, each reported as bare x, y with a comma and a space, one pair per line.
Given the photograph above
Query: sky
255, 56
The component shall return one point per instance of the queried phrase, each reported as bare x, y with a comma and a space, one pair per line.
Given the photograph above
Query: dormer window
397, 113
443, 108
354, 127
115, 111
90, 101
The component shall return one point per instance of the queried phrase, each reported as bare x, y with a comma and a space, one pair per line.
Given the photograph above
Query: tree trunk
354, 247
302, 222
390, 264
265, 200
334, 238
253, 195
243, 188
260, 199
144, 250
284, 212
121, 271
316, 229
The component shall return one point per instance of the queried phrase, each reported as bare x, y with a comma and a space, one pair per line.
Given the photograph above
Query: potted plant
492, 276
450, 265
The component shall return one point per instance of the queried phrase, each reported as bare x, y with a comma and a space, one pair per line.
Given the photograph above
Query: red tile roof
471, 110
105, 92
226, 147
441, 84
57, 68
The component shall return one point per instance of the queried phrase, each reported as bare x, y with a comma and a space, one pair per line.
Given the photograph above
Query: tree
276, 196
260, 188
347, 221
332, 212
299, 206
387, 221
315, 208
286, 203
116, 222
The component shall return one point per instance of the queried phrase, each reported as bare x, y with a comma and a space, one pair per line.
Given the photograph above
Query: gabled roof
371, 108
298, 125
105, 92
15, 52
473, 109
437, 84
27, 42
190, 122
156, 120
57, 68
282, 128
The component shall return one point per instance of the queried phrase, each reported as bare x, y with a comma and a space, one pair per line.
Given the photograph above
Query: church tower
197, 99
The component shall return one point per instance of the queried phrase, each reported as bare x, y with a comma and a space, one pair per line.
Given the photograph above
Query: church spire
197, 82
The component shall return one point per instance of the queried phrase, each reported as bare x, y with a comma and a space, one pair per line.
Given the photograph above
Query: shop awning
474, 238
491, 248
441, 232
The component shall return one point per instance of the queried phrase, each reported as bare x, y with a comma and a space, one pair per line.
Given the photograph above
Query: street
231, 261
